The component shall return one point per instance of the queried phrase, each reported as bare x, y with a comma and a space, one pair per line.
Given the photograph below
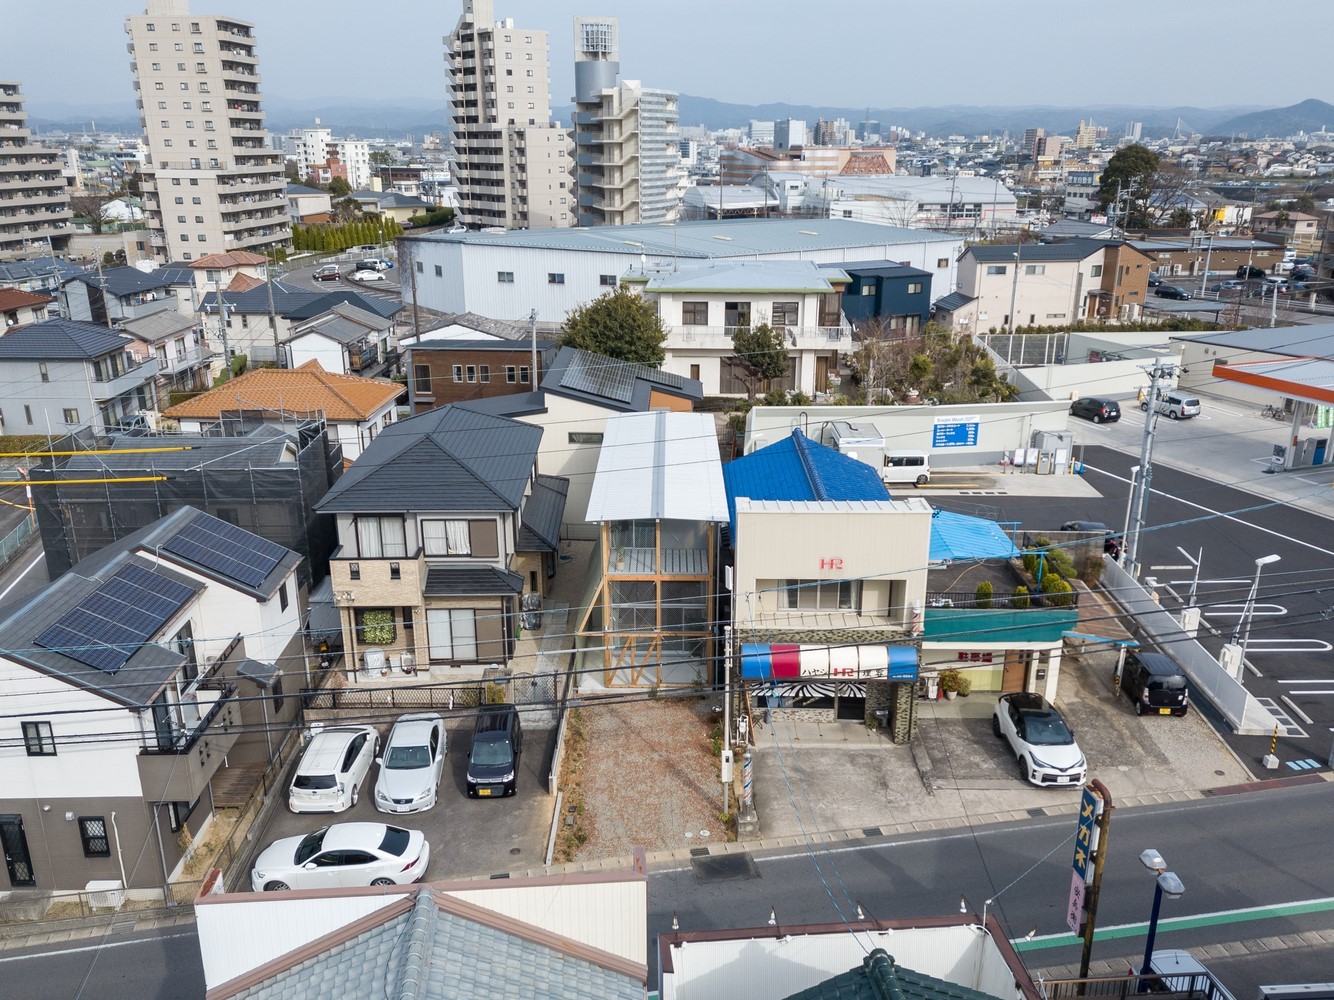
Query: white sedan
343, 854
414, 759
1044, 745
366, 276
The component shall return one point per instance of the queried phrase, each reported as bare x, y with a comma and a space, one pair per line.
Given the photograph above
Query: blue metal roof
798, 468
958, 536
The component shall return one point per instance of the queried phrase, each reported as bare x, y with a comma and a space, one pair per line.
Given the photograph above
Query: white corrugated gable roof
659, 464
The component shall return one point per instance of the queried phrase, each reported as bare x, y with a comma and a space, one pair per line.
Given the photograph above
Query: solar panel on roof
107, 627
226, 549
600, 377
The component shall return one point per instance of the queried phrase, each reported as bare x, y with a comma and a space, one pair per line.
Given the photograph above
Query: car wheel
1144, 407
356, 793
383, 881
995, 727
1023, 769
1171, 414
1139, 708
276, 886
922, 480
1097, 419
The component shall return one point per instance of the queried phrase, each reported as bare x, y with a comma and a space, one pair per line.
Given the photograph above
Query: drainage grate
699, 852
1037, 813
724, 868
871, 831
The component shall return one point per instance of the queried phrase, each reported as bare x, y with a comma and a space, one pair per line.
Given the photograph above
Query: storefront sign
955, 432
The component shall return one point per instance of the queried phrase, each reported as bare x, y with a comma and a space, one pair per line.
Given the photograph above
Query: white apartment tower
627, 148
513, 167
315, 148
34, 204
211, 182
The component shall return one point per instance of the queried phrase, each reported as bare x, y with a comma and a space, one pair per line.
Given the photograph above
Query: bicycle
1274, 412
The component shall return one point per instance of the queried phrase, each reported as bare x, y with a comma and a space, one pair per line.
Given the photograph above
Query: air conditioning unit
105, 894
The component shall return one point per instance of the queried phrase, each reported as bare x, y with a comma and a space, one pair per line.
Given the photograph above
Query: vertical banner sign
1086, 842
1074, 907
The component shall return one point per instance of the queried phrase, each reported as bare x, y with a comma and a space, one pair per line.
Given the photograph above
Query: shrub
495, 693
1020, 599
954, 680
983, 595
1060, 563
1058, 592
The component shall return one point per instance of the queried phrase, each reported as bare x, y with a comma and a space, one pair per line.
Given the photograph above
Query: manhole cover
516, 850
724, 868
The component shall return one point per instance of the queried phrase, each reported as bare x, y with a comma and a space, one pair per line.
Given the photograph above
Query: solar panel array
226, 549
107, 627
588, 373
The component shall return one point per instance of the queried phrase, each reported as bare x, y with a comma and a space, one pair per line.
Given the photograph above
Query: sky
854, 53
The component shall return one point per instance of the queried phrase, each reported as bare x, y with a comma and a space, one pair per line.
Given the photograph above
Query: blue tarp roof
958, 536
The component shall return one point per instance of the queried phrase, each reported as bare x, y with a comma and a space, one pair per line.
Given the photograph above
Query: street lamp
1167, 883
1249, 614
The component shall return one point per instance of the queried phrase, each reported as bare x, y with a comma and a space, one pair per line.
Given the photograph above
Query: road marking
1292, 707
1217, 611
1290, 728
1272, 912
99, 947
1211, 581
1301, 646
36, 559
1164, 568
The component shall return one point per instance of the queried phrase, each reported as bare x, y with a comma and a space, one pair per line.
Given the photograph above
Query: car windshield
395, 841
314, 782
310, 846
491, 752
407, 758
1167, 683
1047, 730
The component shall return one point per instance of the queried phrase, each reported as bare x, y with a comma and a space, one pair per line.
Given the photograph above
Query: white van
1177, 405
906, 467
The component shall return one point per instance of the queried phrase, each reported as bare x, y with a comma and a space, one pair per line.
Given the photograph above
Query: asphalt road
1292, 630
302, 277
1266, 848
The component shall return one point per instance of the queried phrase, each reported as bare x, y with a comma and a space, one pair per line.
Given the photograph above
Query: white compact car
342, 854
414, 759
1045, 746
333, 768
366, 276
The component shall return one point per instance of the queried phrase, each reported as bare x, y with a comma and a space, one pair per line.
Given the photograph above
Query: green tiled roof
878, 978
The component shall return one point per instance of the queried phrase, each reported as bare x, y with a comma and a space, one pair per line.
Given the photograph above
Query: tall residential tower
627, 148
512, 164
34, 205
211, 182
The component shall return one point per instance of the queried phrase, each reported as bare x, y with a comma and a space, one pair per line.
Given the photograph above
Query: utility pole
226, 350
273, 316
1157, 372
1014, 285
1208, 253
532, 331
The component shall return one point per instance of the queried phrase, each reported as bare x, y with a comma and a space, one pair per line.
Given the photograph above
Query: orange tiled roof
243, 283
14, 298
867, 163
237, 258
298, 390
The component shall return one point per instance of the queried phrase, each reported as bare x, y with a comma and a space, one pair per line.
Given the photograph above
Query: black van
493, 761
1155, 684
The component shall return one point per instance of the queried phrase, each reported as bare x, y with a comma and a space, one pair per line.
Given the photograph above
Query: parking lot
467, 836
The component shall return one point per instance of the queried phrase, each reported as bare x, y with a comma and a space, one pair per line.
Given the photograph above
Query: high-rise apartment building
317, 153
1032, 142
34, 204
513, 167
627, 147
1086, 135
211, 182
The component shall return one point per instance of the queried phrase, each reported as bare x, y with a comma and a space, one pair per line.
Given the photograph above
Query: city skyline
1004, 58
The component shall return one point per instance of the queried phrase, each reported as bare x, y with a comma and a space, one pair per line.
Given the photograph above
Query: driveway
467, 836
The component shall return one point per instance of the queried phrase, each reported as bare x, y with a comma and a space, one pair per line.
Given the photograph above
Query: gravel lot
649, 778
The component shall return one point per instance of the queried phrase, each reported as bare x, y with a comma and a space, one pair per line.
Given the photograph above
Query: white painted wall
316, 347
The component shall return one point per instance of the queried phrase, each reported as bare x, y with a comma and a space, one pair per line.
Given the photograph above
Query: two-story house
356, 409
130, 683
19, 308
60, 374
702, 307
184, 356
117, 294
443, 523
236, 270
1051, 284
344, 339
456, 371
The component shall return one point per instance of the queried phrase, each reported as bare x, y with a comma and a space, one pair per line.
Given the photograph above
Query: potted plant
954, 683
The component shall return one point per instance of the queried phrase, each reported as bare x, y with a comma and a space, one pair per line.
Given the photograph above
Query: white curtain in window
369, 542
434, 540
451, 633
459, 542
395, 538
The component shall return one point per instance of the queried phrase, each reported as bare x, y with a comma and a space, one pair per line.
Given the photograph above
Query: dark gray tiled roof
345, 323
621, 385
1036, 253
514, 404
159, 325
296, 303
543, 511
38, 267
262, 449
60, 340
509, 346
482, 324
120, 281
471, 581
954, 300
448, 459
255, 670
303, 189
882, 268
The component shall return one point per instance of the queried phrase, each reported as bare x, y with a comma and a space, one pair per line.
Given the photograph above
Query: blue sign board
955, 432
1090, 807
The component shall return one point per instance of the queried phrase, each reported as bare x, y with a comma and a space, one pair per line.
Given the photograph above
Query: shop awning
778, 661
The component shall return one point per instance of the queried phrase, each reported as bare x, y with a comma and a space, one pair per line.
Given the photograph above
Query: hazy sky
888, 53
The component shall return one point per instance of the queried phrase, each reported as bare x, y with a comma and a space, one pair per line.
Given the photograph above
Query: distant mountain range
392, 120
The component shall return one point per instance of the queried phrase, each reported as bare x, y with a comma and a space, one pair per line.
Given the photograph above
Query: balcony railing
179, 769
809, 337
1000, 602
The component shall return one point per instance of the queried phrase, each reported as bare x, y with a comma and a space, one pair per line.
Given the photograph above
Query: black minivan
493, 761
1155, 685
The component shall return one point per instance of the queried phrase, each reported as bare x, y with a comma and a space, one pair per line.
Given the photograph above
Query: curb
26, 935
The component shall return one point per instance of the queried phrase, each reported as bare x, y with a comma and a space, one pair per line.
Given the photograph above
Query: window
381, 537
151, 27
395, 571
523, 374
585, 437
605, 280
38, 739
180, 218
1095, 271
375, 626
439, 271
71, 416
1035, 269
555, 279
421, 379
694, 314
354, 571
276, 691
458, 373
822, 595
282, 596
27, 414
158, 85
196, 200
421, 269
914, 288
41, 369
451, 633
996, 269
180, 199
785, 314
505, 277
868, 290
511, 374
93, 833
484, 373
472, 373
942, 262
446, 538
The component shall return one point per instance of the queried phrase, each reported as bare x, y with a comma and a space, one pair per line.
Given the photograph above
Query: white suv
333, 769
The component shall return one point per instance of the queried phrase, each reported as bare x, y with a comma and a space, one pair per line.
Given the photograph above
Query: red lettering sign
831, 563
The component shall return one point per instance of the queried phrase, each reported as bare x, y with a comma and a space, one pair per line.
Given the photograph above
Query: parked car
327, 272
369, 264
1227, 286
1177, 405
1112, 540
333, 768
1155, 684
1155, 279
342, 854
366, 276
414, 759
493, 761
1247, 271
1043, 744
456, 228
385, 263
1171, 292
1096, 409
